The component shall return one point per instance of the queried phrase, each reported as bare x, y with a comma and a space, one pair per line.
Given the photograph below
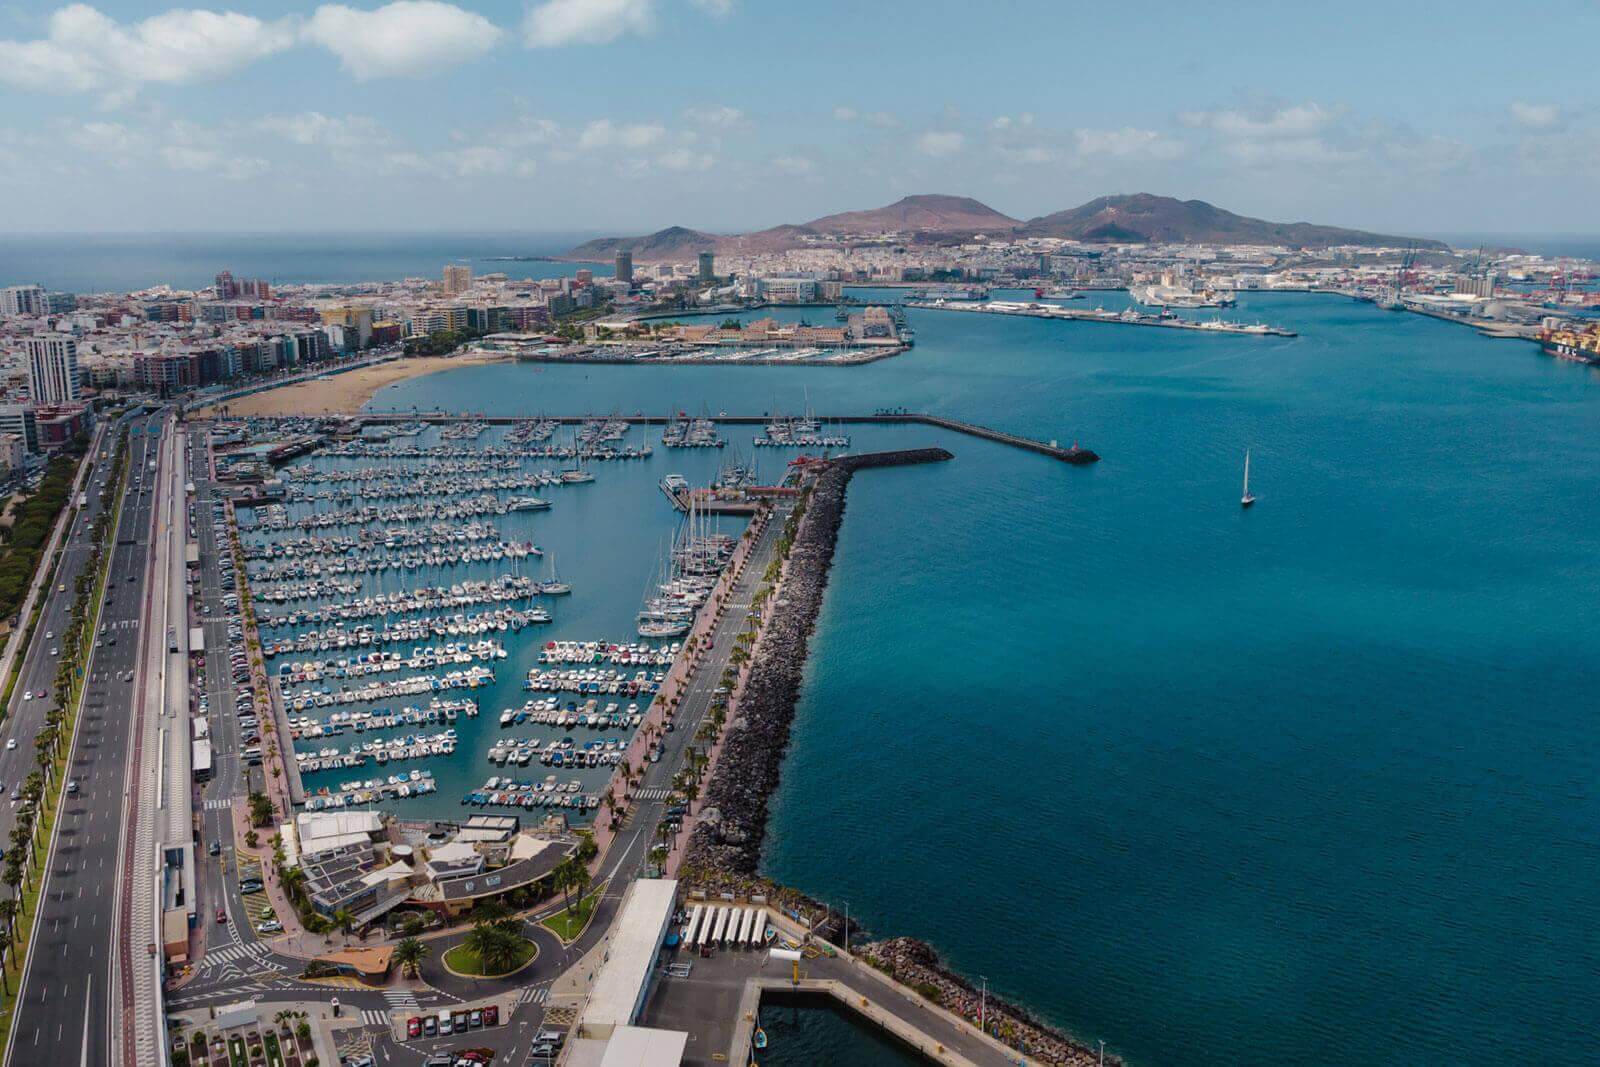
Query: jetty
1074, 455
1130, 317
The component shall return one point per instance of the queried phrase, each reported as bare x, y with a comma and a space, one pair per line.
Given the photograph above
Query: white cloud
940, 143
1297, 151
226, 164
881, 119
723, 117
795, 165
87, 51
845, 114
103, 137
1128, 143
562, 22
527, 131
1008, 122
1299, 120
315, 128
603, 133
404, 37
685, 159
1535, 116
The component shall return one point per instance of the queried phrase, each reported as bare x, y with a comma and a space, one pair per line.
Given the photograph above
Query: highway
65, 1009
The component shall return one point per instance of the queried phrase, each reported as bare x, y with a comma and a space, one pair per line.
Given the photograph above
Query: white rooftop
617, 990
639, 1046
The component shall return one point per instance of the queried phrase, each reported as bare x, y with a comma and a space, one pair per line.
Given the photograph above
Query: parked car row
452, 1021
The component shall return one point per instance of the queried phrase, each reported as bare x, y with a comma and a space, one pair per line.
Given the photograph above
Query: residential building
457, 278
708, 268
53, 370
624, 271
19, 421
61, 424
22, 300
13, 452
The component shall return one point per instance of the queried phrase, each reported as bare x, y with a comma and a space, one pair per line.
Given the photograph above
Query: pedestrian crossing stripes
653, 794
374, 1017
218, 803
227, 955
534, 995
402, 1000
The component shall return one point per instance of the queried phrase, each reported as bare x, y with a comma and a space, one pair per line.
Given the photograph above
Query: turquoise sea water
1308, 783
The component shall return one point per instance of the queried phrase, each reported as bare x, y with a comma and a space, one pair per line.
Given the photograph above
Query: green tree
409, 954
495, 947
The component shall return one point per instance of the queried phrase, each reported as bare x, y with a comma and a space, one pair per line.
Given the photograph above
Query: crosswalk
252, 951
402, 1000
218, 803
534, 995
374, 1017
653, 794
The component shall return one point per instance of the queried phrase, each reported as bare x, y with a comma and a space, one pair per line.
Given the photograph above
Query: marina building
623, 984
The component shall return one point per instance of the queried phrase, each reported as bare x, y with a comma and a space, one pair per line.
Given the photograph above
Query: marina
1126, 317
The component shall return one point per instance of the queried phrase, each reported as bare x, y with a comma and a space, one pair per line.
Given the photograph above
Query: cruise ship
1173, 291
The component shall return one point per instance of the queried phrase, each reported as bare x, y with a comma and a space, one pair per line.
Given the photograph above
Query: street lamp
1102, 1054
983, 1005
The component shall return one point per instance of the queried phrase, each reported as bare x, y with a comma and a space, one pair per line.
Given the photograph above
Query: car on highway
49, 635
222, 915
72, 786
215, 849
11, 743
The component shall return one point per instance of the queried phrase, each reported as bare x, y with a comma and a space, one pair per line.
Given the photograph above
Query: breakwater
724, 850
731, 824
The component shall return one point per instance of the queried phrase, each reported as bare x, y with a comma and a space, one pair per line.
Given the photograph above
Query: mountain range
1126, 219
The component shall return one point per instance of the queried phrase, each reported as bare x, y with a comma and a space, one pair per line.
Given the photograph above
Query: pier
1130, 317
1074, 455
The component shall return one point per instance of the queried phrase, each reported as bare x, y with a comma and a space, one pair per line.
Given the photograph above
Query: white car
11, 744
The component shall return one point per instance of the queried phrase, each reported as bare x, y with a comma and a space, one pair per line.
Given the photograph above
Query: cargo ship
1575, 345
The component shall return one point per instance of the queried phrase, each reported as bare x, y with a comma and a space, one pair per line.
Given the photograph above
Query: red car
222, 916
491, 1015
414, 1027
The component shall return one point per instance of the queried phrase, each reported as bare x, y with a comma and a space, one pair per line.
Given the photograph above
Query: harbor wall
722, 839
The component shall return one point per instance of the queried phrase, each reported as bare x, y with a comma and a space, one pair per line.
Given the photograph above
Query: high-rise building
457, 278
22, 300
53, 370
625, 267
227, 288
708, 268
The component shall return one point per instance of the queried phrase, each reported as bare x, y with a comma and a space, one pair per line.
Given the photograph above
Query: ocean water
98, 263
1309, 783
803, 1031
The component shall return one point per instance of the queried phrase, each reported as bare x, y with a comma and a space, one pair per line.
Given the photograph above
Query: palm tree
409, 954
8, 915
495, 947
342, 919
579, 880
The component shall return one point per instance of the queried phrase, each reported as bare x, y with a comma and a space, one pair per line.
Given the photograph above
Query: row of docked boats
532, 431
417, 783
407, 488
799, 433
596, 681
304, 589
558, 752
491, 452
381, 751
465, 430
298, 672
467, 594
397, 539
310, 474
470, 678
587, 653
404, 631
549, 711
504, 793
436, 712
411, 560
691, 433
276, 517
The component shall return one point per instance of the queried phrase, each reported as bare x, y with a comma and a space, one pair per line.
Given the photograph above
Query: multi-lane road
64, 1010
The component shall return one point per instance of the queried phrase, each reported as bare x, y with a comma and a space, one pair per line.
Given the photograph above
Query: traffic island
464, 961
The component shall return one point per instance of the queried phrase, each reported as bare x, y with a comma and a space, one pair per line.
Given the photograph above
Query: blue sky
627, 115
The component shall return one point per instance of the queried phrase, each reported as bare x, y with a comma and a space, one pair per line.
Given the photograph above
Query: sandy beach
343, 393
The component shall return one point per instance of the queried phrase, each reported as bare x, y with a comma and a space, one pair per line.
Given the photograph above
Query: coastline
341, 394
724, 850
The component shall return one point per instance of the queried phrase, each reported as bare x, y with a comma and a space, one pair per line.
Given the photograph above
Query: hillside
1141, 217
927, 213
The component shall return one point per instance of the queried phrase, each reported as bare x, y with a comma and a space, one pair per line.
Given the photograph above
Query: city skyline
618, 116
